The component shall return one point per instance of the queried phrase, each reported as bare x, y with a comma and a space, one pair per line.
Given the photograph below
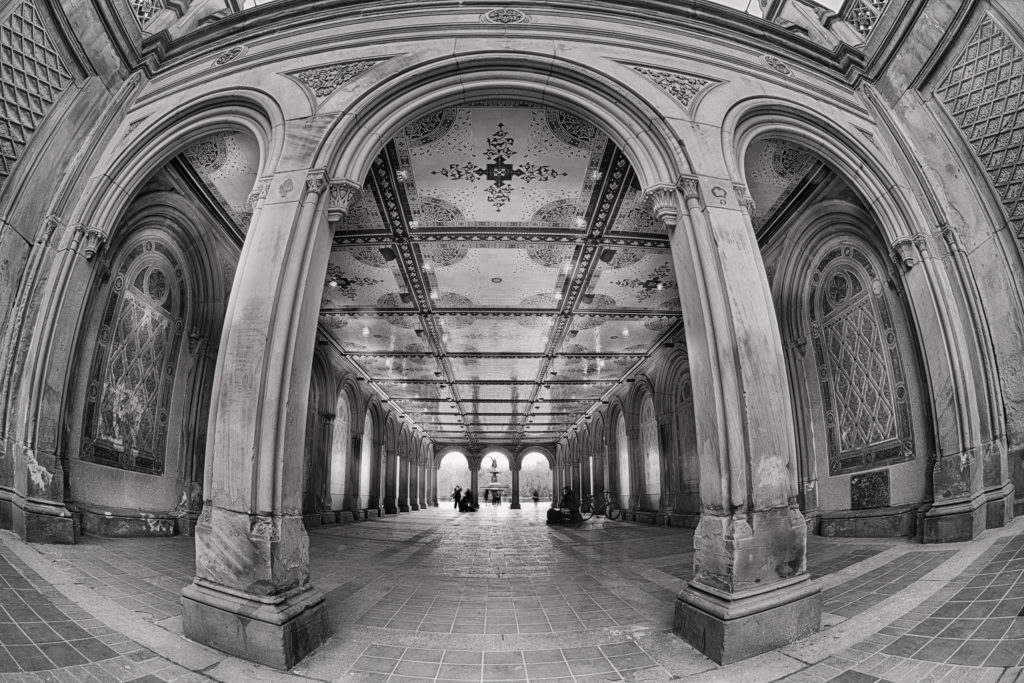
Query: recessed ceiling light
434, 295
580, 222
332, 283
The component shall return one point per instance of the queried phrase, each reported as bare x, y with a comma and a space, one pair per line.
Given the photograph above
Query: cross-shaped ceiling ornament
499, 172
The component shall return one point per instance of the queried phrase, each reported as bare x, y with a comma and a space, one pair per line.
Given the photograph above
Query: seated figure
568, 509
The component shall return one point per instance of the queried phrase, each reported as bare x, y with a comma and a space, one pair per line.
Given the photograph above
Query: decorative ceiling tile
397, 367
513, 275
574, 391
591, 367
493, 368
634, 279
495, 333
407, 390
495, 392
774, 169
227, 164
615, 334
496, 407
376, 333
360, 278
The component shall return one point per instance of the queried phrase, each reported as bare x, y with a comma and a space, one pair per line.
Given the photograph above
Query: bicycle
602, 505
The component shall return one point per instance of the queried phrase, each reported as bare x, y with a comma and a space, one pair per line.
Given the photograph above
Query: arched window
863, 384
133, 369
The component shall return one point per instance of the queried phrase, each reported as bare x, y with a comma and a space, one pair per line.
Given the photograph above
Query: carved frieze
505, 15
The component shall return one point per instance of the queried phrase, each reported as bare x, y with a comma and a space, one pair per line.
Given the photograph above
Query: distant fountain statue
496, 489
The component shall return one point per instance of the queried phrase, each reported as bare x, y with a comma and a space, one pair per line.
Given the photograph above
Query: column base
952, 522
276, 631
729, 628
514, 505
37, 522
402, 507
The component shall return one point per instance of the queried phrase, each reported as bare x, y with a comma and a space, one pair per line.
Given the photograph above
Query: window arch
863, 383
133, 369
622, 457
651, 451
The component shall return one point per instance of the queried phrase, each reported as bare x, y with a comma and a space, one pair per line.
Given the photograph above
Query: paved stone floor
499, 596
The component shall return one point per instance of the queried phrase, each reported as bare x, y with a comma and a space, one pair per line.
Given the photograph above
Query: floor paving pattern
499, 596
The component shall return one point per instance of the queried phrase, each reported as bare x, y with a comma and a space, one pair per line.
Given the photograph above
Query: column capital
746, 201
259, 191
689, 185
317, 182
92, 240
47, 228
344, 193
663, 203
903, 252
952, 236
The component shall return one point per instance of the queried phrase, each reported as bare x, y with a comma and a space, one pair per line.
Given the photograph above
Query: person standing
456, 496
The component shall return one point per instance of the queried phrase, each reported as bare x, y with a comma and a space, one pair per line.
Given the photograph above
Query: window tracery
863, 384
133, 369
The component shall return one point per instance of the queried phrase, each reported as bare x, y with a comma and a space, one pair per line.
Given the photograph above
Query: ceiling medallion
500, 149
505, 15
777, 64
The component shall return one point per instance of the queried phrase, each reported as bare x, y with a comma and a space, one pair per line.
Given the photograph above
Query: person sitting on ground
466, 502
568, 509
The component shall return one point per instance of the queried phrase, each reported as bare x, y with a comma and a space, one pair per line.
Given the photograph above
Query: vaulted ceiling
499, 274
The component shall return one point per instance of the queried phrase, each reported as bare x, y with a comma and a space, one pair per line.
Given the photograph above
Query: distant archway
622, 460
452, 471
366, 462
651, 451
535, 475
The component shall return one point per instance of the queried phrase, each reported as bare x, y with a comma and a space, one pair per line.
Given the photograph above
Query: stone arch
683, 462
526, 450
835, 242
351, 145
949, 367
619, 465
318, 419
367, 488
339, 481
645, 425
168, 480
598, 443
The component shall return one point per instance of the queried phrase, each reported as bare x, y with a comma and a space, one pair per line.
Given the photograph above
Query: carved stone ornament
259, 191
92, 243
505, 15
263, 528
46, 230
690, 187
745, 199
903, 252
663, 203
344, 194
229, 55
683, 88
286, 187
324, 80
720, 193
317, 182
921, 242
778, 65
952, 237
205, 516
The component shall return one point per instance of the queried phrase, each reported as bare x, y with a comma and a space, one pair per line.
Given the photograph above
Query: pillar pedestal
277, 631
729, 627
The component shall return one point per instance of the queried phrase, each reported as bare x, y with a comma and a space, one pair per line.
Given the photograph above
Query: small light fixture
366, 331
434, 295
660, 287
332, 283
566, 267
426, 265
625, 331
403, 175
596, 175
414, 225
580, 222
558, 296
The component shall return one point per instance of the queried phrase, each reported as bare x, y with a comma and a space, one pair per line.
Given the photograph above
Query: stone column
193, 432
390, 487
251, 596
751, 592
474, 480
414, 486
514, 504
403, 470
666, 449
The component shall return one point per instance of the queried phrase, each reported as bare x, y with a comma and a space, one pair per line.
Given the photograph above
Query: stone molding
259, 191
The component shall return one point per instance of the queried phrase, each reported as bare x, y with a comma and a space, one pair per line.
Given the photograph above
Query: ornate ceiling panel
775, 168
497, 368
227, 163
498, 250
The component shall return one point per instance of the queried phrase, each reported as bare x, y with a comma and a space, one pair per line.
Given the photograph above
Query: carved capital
344, 193
690, 187
746, 201
46, 230
93, 241
952, 237
663, 203
259, 191
327, 417
903, 252
317, 182
921, 242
